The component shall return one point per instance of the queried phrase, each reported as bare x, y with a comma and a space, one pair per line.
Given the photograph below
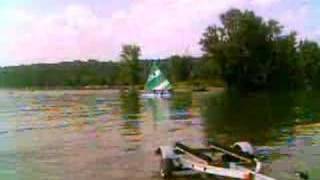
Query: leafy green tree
180, 68
287, 68
205, 69
309, 55
245, 49
130, 60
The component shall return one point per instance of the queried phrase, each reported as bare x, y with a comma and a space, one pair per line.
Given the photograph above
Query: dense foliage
180, 68
67, 74
256, 54
82, 73
130, 64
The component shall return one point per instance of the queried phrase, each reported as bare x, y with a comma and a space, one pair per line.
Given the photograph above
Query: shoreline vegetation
246, 53
182, 71
179, 87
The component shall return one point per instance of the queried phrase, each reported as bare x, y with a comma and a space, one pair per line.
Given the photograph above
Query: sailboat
157, 84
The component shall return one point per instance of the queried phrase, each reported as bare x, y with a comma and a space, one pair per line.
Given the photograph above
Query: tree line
78, 73
246, 52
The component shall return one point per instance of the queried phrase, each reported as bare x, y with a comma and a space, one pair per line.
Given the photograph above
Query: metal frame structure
181, 159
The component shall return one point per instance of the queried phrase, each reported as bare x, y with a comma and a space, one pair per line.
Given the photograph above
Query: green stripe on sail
157, 80
163, 85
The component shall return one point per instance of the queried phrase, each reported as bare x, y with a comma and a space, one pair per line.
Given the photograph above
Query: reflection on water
159, 109
256, 118
110, 135
259, 118
130, 110
180, 107
288, 122
177, 108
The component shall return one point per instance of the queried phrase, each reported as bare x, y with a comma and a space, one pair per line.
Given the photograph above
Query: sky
48, 31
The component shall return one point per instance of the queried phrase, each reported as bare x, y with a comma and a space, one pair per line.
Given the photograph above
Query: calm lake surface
82, 135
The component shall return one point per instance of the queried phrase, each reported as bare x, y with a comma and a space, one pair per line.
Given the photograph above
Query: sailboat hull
164, 95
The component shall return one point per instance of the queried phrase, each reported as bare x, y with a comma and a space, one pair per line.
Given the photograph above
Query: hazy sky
56, 30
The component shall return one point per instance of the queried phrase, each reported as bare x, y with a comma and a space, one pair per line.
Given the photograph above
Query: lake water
99, 134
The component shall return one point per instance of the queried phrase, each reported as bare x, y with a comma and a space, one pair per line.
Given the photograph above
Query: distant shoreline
184, 88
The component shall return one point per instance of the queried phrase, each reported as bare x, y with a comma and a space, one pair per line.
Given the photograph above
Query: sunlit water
111, 135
